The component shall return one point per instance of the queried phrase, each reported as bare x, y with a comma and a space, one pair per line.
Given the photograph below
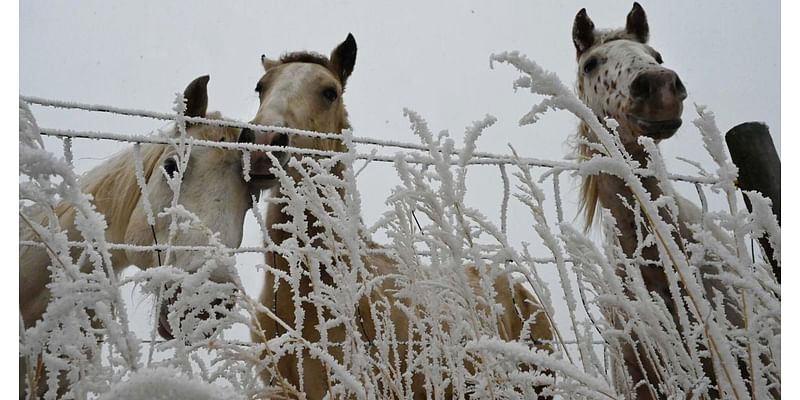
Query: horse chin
261, 176
163, 324
164, 329
655, 129
259, 183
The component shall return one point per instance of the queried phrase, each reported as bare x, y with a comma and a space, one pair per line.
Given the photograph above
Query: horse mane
609, 35
114, 188
589, 195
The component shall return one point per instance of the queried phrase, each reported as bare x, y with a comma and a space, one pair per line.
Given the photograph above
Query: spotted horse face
620, 76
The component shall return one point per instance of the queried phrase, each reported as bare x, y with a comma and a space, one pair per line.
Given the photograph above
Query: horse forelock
308, 57
213, 132
305, 57
609, 35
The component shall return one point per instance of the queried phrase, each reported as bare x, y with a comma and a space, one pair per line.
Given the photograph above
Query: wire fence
381, 151
553, 167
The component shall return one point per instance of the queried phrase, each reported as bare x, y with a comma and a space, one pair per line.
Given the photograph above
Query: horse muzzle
261, 163
656, 103
659, 129
164, 328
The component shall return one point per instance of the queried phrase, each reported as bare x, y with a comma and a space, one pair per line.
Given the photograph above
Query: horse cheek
139, 233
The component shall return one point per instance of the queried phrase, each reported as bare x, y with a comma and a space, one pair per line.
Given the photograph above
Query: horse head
622, 77
303, 90
208, 183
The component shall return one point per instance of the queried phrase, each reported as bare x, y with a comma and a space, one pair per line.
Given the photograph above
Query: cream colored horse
304, 91
213, 188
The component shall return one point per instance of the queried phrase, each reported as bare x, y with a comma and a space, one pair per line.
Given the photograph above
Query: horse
622, 77
213, 188
304, 90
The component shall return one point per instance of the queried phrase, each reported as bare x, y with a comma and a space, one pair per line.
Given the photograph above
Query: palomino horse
622, 77
304, 91
213, 188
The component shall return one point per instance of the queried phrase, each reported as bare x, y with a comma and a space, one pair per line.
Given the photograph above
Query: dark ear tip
196, 96
350, 41
637, 9
583, 21
200, 80
263, 56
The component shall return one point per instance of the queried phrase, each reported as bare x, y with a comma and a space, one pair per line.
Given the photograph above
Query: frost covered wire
477, 158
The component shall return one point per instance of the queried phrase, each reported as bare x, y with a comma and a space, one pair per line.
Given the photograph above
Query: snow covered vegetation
447, 307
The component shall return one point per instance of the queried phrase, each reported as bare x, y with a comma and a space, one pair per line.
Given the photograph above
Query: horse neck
115, 190
275, 215
115, 195
612, 193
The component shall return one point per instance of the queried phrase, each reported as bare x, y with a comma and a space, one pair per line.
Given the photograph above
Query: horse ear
196, 96
343, 58
267, 62
637, 23
582, 32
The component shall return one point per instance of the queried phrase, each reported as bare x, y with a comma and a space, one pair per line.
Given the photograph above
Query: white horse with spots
621, 76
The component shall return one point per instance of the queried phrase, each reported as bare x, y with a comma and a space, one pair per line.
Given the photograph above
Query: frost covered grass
428, 326
730, 314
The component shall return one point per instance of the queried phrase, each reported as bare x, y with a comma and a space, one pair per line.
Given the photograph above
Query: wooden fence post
753, 152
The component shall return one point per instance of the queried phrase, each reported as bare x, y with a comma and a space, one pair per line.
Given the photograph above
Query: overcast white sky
429, 56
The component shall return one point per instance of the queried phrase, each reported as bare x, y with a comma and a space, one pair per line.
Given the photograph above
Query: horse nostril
640, 88
280, 140
247, 136
680, 90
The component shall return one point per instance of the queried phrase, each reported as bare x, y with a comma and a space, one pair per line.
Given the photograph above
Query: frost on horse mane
452, 341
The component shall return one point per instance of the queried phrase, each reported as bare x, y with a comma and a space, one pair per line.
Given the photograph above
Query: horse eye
590, 65
330, 94
659, 59
171, 166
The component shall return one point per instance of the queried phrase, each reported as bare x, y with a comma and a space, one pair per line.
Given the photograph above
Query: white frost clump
163, 383
29, 135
